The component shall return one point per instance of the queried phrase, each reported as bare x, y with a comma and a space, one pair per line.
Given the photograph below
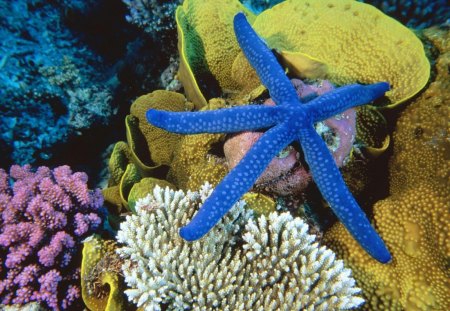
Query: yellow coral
100, 285
148, 150
415, 219
208, 44
159, 143
371, 131
356, 41
261, 204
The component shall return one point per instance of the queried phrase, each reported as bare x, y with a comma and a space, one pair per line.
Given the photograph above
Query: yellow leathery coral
148, 150
100, 270
371, 131
118, 161
207, 45
414, 220
356, 41
193, 164
159, 143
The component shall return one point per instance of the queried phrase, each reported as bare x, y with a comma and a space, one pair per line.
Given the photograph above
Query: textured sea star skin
288, 121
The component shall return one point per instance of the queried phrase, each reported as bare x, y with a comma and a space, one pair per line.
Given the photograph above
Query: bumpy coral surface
278, 266
415, 219
377, 48
44, 216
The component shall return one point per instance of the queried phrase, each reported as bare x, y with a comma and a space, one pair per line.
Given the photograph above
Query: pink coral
44, 216
286, 174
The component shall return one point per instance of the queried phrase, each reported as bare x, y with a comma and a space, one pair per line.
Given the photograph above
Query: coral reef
53, 86
32, 306
278, 266
44, 216
414, 219
289, 120
195, 161
159, 143
415, 13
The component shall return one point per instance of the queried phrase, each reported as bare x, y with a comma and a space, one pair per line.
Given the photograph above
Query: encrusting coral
44, 216
278, 265
415, 219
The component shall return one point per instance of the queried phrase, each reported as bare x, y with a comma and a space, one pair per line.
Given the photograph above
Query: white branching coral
270, 263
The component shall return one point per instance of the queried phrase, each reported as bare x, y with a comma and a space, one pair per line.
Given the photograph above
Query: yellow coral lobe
371, 131
207, 44
99, 287
141, 189
154, 143
259, 203
185, 74
414, 220
356, 41
118, 162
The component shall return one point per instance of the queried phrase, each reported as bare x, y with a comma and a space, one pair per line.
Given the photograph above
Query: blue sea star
288, 121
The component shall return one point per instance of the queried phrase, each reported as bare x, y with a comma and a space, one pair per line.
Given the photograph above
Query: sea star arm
331, 184
343, 98
264, 62
238, 181
229, 120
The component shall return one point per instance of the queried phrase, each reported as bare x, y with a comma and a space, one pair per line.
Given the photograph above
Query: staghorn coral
278, 266
44, 215
415, 219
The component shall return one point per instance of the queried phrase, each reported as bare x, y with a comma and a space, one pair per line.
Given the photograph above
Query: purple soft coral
44, 216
